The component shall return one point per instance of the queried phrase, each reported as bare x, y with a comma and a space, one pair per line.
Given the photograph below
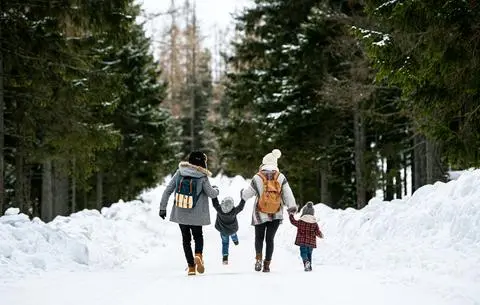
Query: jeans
306, 253
266, 231
226, 242
187, 232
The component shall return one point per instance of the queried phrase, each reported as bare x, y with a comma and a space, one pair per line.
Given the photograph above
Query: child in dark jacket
227, 223
307, 232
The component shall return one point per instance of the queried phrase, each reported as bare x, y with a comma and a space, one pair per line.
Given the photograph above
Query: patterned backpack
186, 192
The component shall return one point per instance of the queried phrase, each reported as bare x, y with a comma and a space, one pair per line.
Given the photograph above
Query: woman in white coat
266, 221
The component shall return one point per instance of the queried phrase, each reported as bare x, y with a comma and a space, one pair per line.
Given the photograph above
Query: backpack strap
180, 184
262, 176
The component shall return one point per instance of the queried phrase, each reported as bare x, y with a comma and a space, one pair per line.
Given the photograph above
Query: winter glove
292, 210
215, 187
163, 214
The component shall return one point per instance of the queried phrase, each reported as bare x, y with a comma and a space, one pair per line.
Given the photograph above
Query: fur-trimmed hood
308, 218
188, 169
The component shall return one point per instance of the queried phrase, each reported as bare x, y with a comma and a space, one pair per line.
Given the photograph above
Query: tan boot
266, 266
258, 262
199, 262
191, 270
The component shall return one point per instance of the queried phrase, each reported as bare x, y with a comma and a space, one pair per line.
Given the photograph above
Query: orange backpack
270, 200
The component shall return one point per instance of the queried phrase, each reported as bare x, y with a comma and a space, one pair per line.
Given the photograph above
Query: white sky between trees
212, 15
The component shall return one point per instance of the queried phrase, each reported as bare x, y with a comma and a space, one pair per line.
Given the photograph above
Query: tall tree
2, 122
65, 72
438, 73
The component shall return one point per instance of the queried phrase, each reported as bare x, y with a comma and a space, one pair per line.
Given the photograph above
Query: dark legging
187, 232
266, 231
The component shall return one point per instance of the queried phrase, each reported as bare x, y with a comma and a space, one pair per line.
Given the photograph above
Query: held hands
292, 210
162, 214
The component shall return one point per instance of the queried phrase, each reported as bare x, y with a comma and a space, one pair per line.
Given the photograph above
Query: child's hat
227, 204
308, 209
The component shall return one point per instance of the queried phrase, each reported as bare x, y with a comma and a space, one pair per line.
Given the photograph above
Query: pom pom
276, 153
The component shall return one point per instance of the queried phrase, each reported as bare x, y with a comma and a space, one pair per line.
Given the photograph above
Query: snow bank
435, 233
83, 240
90, 239
432, 238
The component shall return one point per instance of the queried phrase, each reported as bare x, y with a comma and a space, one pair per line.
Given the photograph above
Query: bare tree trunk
74, 187
360, 144
85, 200
60, 188
434, 170
173, 54
23, 183
20, 179
430, 155
299, 193
2, 127
405, 172
324, 191
389, 180
419, 162
414, 168
99, 201
398, 180
47, 192
194, 79
35, 193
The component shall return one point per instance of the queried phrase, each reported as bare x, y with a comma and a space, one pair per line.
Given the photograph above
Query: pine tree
275, 89
145, 152
299, 80
430, 52
64, 81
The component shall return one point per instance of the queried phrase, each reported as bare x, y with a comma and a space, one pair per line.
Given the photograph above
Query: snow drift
85, 239
89, 239
431, 238
436, 230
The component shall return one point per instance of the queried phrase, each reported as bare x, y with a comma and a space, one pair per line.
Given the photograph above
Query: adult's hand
162, 213
292, 210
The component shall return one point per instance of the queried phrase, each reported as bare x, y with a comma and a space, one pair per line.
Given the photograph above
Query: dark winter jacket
307, 230
227, 223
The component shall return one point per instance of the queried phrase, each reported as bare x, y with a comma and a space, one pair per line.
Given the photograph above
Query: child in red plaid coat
307, 232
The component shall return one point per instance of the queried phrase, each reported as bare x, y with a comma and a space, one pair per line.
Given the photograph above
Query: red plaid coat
307, 231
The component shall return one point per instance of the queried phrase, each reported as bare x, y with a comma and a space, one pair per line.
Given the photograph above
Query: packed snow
85, 240
421, 250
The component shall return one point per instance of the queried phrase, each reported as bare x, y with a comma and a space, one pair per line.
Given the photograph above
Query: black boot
266, 266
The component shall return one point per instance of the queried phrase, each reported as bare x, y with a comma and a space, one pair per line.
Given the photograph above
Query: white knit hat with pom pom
270, 159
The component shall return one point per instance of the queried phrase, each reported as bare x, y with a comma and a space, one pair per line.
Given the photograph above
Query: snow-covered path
424, 250
160, 278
